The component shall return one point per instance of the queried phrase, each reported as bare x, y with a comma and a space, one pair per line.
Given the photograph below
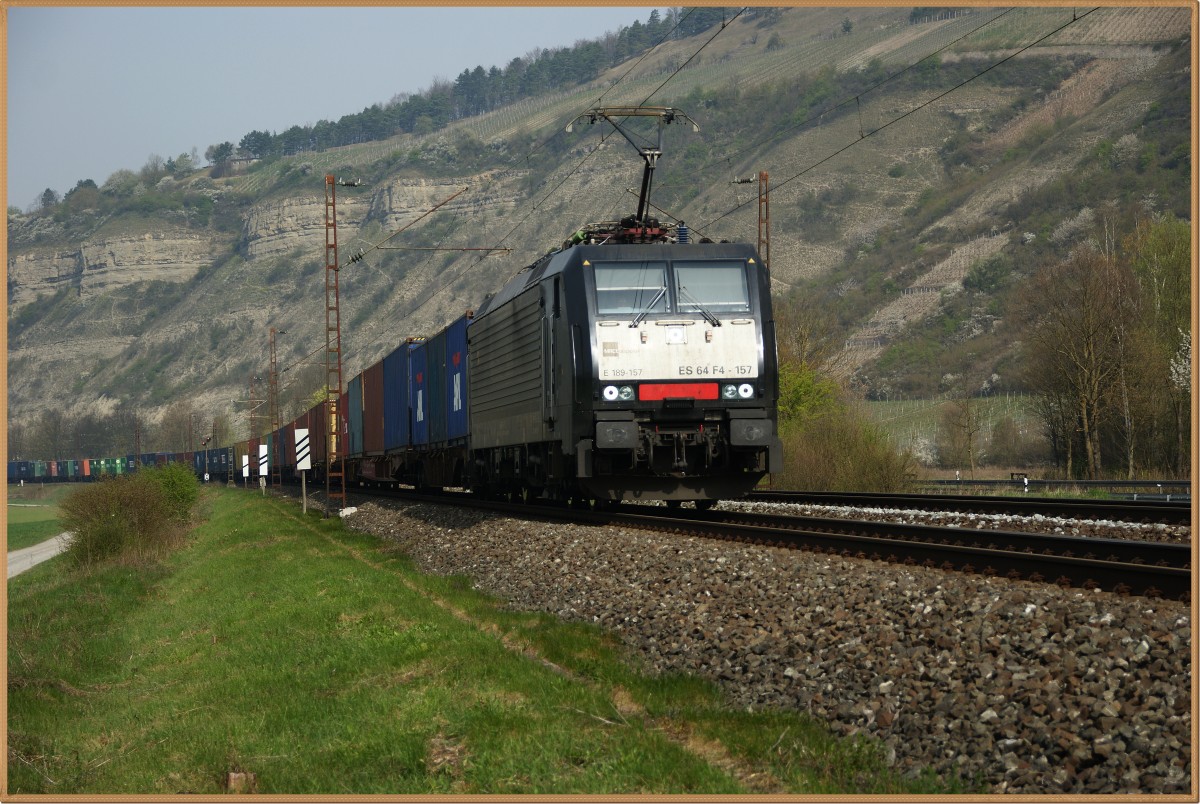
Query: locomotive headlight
745, 390
610, 393
729, 392
625, 393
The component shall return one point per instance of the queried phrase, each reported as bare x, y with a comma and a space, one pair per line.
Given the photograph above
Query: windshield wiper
709, 317
638, 319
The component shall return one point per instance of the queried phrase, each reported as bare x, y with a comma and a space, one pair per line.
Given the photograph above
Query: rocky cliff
102, 265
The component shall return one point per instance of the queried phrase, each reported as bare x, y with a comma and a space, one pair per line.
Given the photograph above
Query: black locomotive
629, 364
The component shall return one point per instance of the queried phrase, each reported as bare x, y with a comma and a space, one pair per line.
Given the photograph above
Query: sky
95, 90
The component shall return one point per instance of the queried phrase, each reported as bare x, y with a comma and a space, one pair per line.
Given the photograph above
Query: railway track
1153, 569
1169, 513
1123, 566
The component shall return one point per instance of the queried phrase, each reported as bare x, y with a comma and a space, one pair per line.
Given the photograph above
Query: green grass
320, 661
33, 513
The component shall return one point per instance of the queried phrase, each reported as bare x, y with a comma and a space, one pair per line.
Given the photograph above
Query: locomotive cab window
715, 285
631, 288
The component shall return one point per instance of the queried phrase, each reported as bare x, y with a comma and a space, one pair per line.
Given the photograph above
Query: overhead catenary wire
536, 205
707, 42
605, 136
364, 252
623, 76
537, 148
898, 118
728, 158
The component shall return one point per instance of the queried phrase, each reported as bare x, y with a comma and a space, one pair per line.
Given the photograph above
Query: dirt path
29, 557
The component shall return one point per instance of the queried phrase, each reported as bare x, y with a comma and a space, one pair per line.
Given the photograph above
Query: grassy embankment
33, 513
320, 661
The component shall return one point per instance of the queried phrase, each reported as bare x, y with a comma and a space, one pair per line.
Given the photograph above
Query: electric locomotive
629, 364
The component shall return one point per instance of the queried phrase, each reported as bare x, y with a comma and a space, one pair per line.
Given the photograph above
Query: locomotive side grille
506, 368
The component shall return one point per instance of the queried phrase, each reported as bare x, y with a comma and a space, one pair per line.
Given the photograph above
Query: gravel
1036, 523
1030, 688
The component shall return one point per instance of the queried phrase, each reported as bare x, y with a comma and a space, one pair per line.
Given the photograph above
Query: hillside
894, 172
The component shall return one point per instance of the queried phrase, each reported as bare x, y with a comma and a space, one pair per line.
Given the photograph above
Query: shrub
129, 518
842, 451
804, 394
180, 487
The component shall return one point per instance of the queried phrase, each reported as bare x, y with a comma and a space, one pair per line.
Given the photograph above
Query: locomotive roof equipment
650, 155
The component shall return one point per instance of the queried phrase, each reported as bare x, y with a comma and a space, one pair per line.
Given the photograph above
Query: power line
728, 158
614, 85
358, 255
724, 24
1076, 17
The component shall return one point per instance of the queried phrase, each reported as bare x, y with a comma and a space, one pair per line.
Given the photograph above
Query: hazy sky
94, 90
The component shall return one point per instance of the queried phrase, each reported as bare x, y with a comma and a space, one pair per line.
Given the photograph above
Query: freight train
628, 364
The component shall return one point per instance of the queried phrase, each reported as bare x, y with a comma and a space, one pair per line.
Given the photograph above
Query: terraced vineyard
1106, 26
915, 422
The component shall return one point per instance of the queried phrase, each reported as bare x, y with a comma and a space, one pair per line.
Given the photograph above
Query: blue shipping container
435, 403
397, 427
419, 394
456, 378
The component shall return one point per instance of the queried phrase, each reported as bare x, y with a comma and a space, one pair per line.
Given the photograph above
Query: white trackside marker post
303, 464
262, 468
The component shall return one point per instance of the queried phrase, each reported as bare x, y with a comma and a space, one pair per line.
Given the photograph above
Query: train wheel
706, 505
674, 504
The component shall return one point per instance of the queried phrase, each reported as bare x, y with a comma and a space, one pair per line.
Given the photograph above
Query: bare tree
175, 427
803, 330
1055, 410
18, 440
297, 393
1005, 445
961, 426
153, 170
90, 436
1128, 350
51, 436
1076, 311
